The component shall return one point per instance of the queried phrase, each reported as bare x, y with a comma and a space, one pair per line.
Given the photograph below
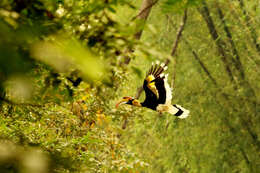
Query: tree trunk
204, 11
251, 29
142, 16
236, 61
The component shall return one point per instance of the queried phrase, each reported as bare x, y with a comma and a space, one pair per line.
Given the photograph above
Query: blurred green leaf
137, 71
64, 54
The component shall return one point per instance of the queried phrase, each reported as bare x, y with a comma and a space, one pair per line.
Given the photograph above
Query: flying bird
158, 94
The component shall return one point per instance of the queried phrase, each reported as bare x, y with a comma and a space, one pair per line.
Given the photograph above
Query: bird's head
130, 101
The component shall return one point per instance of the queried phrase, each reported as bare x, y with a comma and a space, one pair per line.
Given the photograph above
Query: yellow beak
121, 102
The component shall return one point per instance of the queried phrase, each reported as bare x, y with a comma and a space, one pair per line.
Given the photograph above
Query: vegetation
64, 64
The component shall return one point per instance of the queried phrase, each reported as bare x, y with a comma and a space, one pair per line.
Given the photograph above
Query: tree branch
143, 14
179, 34
198, 59
144, 10
201, 63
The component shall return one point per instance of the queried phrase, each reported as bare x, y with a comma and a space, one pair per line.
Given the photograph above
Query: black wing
159, 83
150, 98
155, 91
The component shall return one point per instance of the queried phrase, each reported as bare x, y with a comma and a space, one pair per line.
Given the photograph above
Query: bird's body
158, 93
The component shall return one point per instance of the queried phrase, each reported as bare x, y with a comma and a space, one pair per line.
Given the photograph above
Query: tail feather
179, 111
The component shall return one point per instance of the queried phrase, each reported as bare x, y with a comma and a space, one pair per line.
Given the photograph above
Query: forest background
64, 64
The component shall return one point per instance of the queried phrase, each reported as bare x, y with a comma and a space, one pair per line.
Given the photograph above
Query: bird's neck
150, 106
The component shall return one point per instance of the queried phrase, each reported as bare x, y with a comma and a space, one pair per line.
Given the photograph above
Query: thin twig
139, 92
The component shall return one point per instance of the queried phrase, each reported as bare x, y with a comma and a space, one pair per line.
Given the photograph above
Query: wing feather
159, 71
154, 69
168, 90
150, 70
161, 84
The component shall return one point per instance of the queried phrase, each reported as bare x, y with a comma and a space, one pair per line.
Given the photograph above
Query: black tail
181, 113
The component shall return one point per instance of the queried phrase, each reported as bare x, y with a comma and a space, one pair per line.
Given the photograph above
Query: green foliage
62, 70
43, 105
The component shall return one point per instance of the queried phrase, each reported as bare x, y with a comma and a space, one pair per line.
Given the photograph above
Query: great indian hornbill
158, 93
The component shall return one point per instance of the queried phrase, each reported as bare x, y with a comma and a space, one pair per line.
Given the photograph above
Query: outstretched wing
164, 90
155, 86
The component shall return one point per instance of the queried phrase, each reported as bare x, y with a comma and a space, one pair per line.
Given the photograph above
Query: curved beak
121, 102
